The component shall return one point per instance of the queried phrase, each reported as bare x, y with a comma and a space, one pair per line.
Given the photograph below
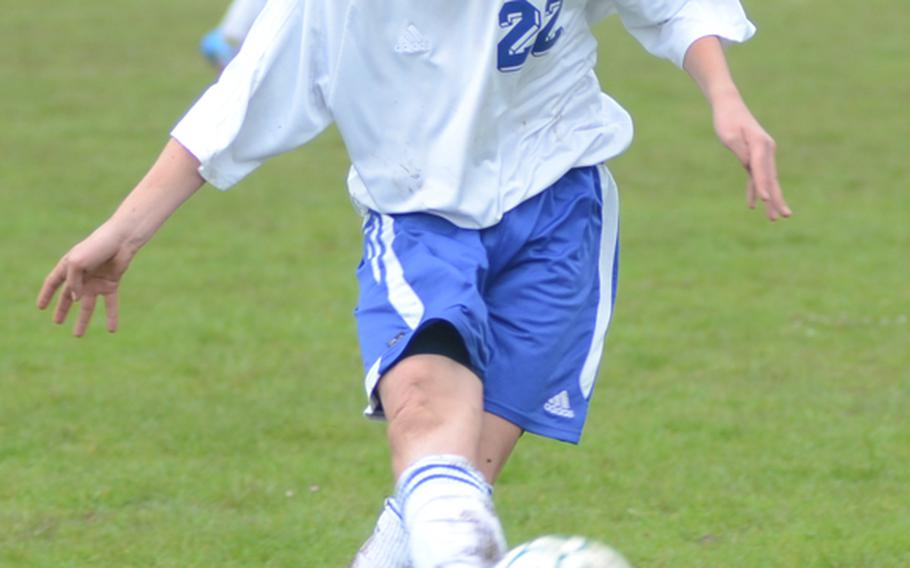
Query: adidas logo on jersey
559, 405
412, 41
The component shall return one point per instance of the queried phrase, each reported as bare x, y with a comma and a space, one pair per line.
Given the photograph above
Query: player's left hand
756, 150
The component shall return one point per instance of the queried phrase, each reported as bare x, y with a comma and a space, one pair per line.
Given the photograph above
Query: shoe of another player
217, 49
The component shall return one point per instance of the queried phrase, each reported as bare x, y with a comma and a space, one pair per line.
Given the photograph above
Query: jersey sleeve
667, 28
269, 100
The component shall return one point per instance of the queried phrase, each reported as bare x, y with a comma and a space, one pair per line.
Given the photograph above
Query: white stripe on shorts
401, 295
373, 251
369, 383
608, 236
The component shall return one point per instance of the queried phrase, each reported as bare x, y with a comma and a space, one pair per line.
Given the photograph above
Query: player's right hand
90, 269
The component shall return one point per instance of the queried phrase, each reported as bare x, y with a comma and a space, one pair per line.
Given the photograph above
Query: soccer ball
563, 552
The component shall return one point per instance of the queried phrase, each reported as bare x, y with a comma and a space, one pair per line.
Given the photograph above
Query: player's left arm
735, 125
692, 34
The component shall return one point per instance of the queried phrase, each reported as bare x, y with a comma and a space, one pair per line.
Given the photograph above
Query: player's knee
412, 426
408, 396
425, 392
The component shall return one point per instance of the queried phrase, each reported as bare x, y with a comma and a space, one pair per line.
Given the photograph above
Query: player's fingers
759, 170
750, 193
113, 311
771, 210
774, 189
85, 315
63, 305
74, 279
780, 204
777, 207
51, 283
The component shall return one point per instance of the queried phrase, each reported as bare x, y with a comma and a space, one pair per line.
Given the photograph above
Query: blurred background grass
753, 405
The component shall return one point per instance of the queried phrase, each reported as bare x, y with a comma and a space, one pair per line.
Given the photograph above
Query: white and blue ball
563, 552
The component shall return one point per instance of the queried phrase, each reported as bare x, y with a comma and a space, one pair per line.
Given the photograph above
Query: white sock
449, 515
388, 545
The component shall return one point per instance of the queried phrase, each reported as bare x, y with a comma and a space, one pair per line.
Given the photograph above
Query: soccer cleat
217, 49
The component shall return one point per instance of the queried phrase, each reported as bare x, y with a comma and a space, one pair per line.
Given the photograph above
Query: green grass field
754, 405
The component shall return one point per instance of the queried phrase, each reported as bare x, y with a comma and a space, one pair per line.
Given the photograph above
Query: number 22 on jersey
530, 32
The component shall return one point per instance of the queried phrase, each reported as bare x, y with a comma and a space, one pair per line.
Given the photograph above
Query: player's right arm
271, 99
95, 266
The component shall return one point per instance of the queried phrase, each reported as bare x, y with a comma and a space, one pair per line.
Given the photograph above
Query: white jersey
463, 109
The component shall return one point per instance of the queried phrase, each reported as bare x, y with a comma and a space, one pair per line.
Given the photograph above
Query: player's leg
434, 405
387, 547
419, 287
498, 438
495, 437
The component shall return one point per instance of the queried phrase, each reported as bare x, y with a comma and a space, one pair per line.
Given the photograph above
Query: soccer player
220, 45
477, 133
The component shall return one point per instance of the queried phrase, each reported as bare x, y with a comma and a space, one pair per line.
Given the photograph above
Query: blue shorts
532, 298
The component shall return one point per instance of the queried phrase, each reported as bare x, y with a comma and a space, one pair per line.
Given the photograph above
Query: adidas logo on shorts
559, 406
